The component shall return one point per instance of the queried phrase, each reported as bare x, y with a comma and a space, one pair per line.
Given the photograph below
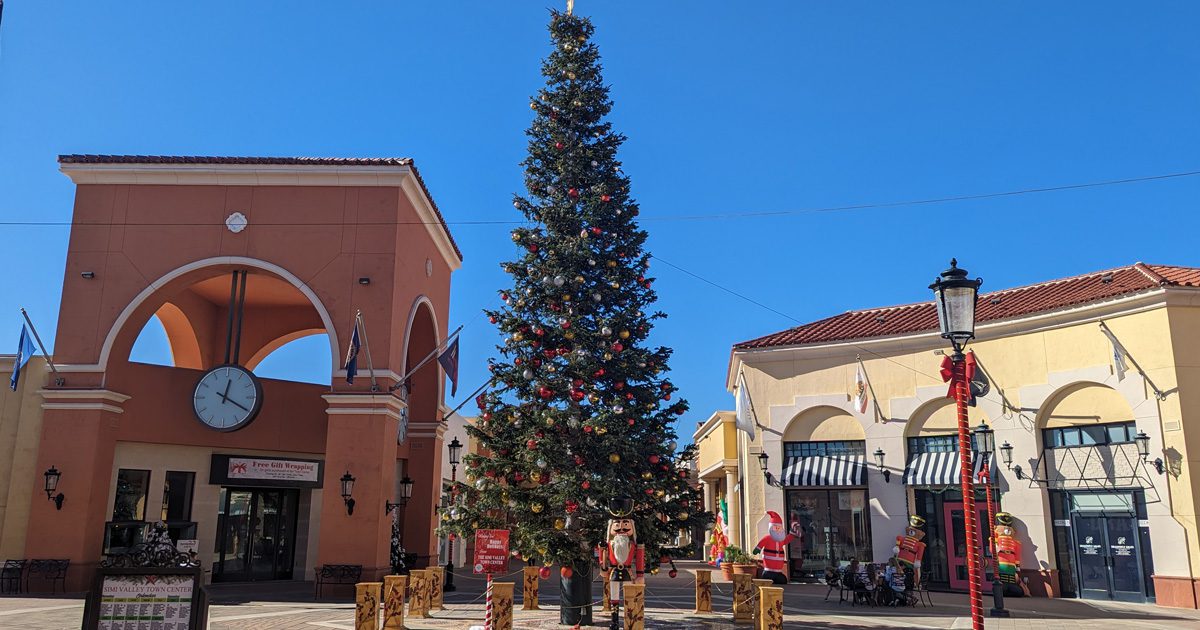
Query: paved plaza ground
670, 603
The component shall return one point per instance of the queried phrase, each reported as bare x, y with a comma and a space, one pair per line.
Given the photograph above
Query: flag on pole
352, 355
744, 414
1118, 353
449, 361
860, 391
25, 350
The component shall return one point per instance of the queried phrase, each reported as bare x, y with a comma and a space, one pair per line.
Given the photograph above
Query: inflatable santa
773, 547
621, 557
909, 548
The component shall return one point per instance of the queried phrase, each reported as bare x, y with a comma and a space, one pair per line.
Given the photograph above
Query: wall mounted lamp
88, 275
887, 474
52, 477
1143, 447
406, 486
764, 463
1006, 451
364, 280
348, 492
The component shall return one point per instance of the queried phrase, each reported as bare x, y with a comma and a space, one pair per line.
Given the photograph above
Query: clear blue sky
729, 107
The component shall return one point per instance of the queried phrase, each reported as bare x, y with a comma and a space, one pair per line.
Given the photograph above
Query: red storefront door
956, 550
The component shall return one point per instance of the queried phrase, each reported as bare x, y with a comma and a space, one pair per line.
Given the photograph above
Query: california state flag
860, 391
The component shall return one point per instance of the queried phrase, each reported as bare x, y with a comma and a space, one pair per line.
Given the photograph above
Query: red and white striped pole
488, 619
961, 396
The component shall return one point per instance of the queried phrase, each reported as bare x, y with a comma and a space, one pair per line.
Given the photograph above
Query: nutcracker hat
916, 521
775, 518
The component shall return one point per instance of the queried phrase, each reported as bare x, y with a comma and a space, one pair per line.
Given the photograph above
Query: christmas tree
581, 411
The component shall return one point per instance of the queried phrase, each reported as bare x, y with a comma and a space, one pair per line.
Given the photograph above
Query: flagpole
362, 328
753, 413
428, 357
1158, 393
870, 387
472, 395
58, 380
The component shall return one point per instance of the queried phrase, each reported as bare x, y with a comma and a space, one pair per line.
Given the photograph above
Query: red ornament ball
617, 347
653, 459
544, 573
586, 484
598, 373
605, 198
545, 392
576, 395
630, 421
673, 573
533, 248
531, 444
558, 145
573, 193
649, 491
566, 572
597, 231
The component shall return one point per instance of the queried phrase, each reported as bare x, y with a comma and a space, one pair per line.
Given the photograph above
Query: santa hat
775, 518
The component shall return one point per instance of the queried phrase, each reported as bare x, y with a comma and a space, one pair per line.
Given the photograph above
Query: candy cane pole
487, 619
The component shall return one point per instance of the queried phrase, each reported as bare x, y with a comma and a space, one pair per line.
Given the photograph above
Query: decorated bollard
529, 588
366, 605
743, 598
502, 605
394, 590
635, 607
758, 586
703, 591
607, 593
770, 605
418, 589
437, 579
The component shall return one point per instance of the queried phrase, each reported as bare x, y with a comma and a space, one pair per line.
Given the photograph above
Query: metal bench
47, 570
336, 574
11, 576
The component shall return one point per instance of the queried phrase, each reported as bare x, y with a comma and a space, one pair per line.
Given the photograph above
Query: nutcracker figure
621, 557
909, 548
1008, 548
773, 547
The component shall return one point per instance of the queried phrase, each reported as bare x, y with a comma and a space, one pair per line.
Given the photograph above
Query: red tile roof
997, 305
283, 161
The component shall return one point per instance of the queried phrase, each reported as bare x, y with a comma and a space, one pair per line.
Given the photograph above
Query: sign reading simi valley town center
491, 551
146, 602
252, 470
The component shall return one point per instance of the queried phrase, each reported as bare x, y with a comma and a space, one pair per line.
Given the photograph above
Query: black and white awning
825, 470
938, 469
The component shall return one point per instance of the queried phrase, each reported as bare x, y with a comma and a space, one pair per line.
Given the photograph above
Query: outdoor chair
47, 570
11, 575
922, 590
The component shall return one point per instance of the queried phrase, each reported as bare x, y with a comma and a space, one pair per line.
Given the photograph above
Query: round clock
227, 398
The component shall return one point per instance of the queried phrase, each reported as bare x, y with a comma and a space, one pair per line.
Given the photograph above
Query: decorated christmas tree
581, 412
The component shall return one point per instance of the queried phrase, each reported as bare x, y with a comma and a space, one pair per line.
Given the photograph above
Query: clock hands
225, 397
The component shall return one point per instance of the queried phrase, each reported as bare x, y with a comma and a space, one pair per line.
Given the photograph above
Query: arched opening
824, 476
940, 417
425, 382
152, 345
303, 358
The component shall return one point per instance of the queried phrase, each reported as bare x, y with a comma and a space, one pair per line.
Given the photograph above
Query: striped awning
938, 469
825, 470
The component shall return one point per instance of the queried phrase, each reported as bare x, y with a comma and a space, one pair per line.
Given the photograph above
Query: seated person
894, 577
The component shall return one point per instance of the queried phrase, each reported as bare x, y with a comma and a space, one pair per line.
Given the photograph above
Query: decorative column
426, 450
735, 508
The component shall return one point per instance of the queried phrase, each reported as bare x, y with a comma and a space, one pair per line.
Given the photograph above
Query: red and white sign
272, 469
491, 551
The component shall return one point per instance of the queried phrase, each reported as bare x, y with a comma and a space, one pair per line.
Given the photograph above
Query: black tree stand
575, 597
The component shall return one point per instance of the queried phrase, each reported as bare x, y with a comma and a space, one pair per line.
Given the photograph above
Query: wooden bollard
758, 585
366, 605
635, 607
529, 588
743, 598
437, 579
502, 605
607, 593
770, 603
703, 591
394, 587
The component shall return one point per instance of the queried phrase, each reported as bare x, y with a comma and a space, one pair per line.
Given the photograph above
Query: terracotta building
236, 257
1096, 516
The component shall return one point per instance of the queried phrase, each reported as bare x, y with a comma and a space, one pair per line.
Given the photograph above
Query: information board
491, 551
146, 602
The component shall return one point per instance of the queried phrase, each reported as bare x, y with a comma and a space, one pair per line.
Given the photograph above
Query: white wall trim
78, 406
83, 394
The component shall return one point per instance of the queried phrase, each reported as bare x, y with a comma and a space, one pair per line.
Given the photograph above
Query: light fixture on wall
52, 477
764, 463
348, 492
406, 486
88, 275
1143, 447
364, 281
1006, 451
887, 474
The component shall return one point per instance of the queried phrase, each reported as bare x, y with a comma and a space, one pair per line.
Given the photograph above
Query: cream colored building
1094, 519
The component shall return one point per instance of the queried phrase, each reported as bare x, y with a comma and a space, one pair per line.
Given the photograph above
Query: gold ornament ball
624, 334
536, 477
682, 516
537, 509
518, 337
613, 458
566, 298
579, 279
594, 397
559, 523
569, 335
601, 430
533, 106
614, 284
608, 356
654, 571
647, 475
659, 493
542, 551
612, 263
445, 516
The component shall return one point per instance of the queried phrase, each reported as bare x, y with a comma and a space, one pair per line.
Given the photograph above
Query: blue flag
352, 355
25, 350
449, 360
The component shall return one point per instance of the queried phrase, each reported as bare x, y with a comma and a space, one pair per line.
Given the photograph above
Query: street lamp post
455, 448
955, 297
985, 445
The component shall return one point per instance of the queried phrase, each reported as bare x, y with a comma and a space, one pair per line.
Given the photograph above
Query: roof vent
1106, 278
880, 319
997, 299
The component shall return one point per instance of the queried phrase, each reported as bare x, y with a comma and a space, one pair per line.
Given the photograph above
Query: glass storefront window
133, 486
177, 496
833, 447
834, 527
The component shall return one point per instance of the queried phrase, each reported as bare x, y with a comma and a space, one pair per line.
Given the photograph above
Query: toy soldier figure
622, 559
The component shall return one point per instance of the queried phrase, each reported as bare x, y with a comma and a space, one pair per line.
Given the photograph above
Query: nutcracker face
1005, 531
914, 533
621, 527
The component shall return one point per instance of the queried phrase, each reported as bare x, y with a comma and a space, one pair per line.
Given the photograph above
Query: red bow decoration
948, 375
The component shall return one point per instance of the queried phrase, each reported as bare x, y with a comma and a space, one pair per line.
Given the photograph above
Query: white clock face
227, 398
